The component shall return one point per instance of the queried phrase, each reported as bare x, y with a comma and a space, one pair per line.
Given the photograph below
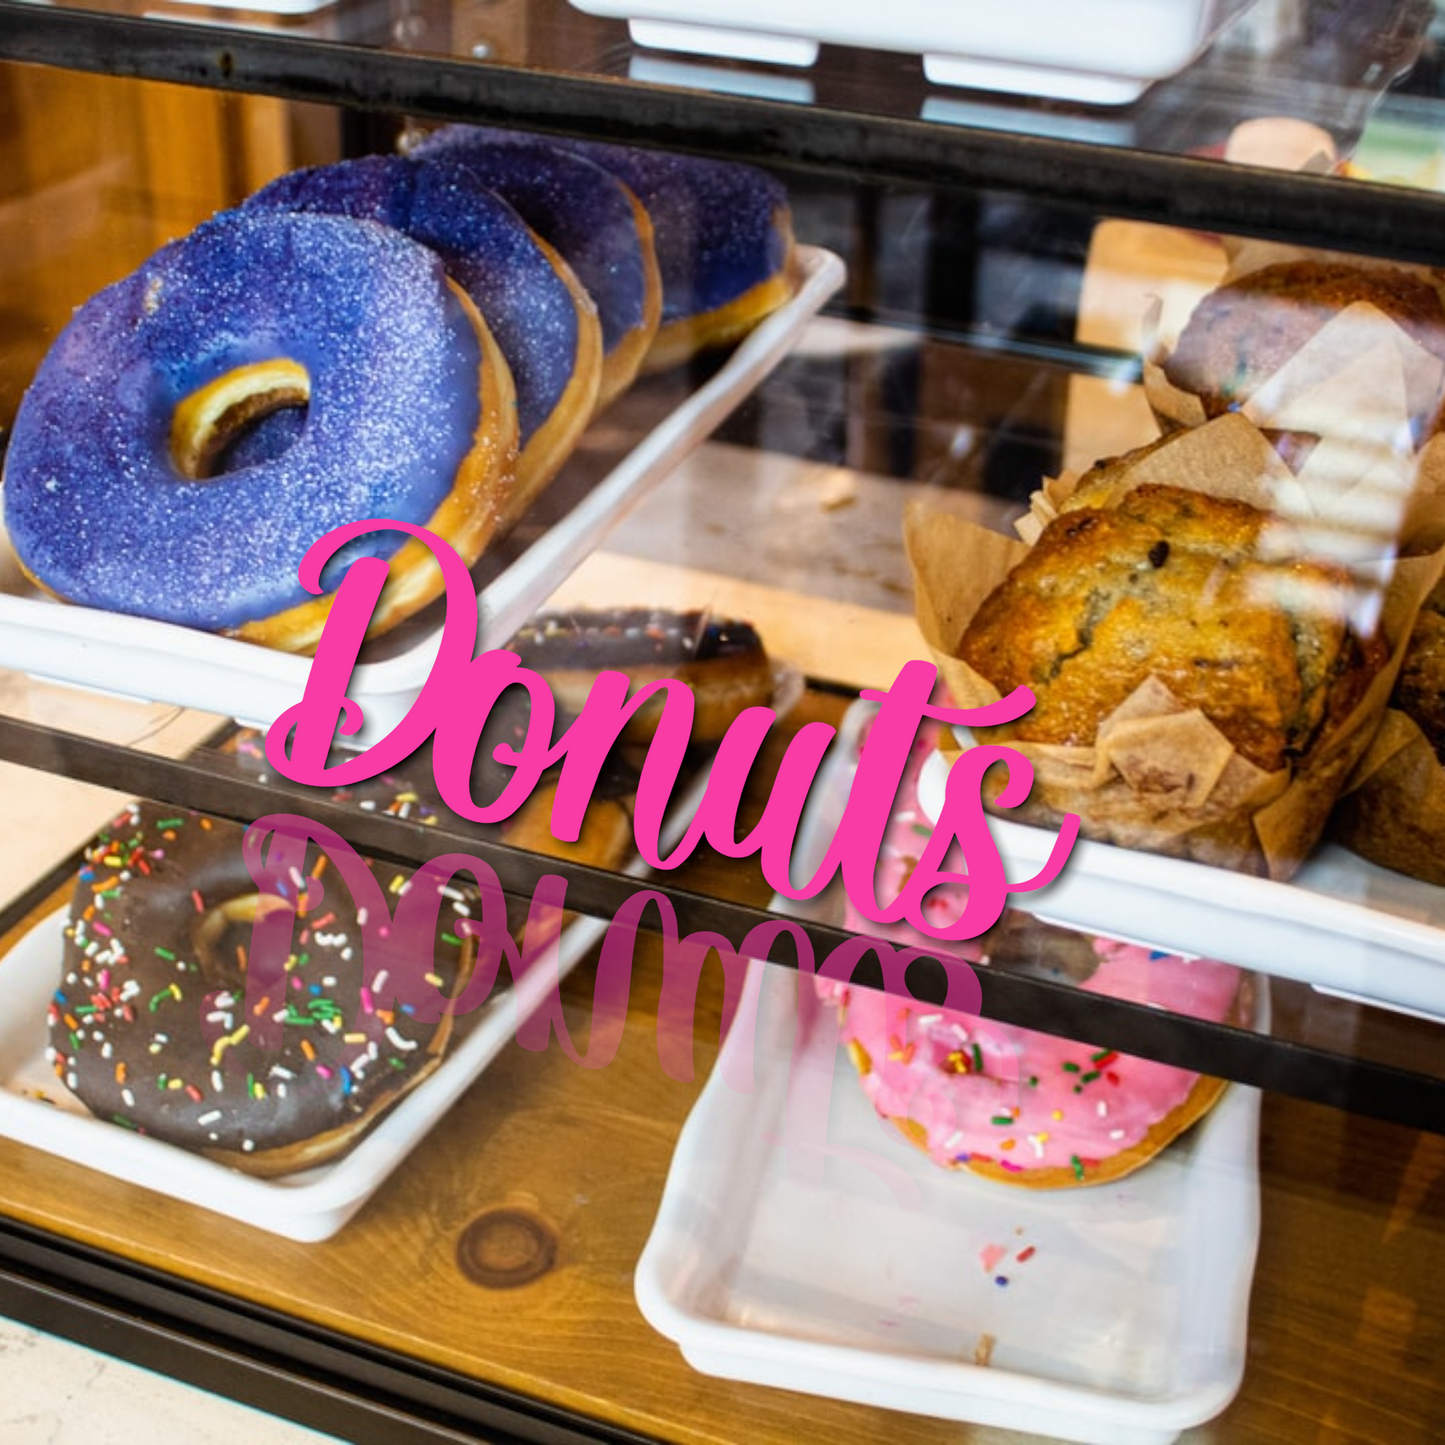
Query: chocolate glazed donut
722, 661
159, 925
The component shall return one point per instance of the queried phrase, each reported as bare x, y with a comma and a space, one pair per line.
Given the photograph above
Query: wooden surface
115, 168
551, 1174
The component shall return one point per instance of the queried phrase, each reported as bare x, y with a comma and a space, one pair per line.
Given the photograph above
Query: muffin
1244, 332
1170, 584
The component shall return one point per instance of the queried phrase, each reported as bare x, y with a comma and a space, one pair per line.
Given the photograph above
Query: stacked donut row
420, 338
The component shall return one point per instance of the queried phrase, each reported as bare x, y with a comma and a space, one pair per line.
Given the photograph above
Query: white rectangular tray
1127, 1325
1341, 923
36, 1109
867, 1282
1103, 52
159, 661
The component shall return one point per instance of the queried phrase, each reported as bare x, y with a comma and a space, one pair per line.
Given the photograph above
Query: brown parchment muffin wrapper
1160, 777
1392, 810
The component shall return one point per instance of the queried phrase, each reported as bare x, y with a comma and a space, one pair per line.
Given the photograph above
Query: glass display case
624, 1239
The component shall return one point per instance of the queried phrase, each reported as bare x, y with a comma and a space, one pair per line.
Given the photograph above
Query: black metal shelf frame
1282, 1066
1350, 215
266, 1359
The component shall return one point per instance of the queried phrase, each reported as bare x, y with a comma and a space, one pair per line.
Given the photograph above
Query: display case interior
996, 328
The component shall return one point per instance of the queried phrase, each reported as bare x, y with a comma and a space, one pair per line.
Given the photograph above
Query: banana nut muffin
1168, 583
1242, 333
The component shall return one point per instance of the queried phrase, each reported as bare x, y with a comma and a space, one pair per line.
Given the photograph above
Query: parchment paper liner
1393, 807
1161, 777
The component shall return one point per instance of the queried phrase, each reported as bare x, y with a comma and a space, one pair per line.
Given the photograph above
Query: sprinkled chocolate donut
597, 225
159, 923
722, 661
543, 320
109, 493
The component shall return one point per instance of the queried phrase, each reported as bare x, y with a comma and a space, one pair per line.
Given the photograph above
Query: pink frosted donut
1011, 1104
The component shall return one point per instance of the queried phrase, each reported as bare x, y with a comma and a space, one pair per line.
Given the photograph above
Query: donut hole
222, 934
251, 414
259, 440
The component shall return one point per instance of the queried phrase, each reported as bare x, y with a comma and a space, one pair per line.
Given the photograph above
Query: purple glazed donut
596, 224
543, 321
110, 495
724, 240
722, 233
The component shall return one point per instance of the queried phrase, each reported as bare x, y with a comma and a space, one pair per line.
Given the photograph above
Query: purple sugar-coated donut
719, 228
98, 511
580, 208
485, 246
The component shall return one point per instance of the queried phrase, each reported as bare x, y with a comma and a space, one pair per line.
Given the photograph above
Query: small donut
722, 661
724, 239
597, 225
1009, 1103
544, 322
110, 494
159, 921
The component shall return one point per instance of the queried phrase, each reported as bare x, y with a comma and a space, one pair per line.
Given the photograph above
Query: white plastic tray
160, 661
1341, 922
869, 1282
1103, 52
1127, 1325
36, 1109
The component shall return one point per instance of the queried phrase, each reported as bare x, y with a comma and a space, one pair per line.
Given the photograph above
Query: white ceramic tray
1102, 52
1342, 923
160, 661
876, 1281
1126, 1325
36, 1109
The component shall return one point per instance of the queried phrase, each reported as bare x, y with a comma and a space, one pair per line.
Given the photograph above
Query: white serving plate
36, 1109
1101, 52
864, 1280
1342, 923
162, 662
1127, 1325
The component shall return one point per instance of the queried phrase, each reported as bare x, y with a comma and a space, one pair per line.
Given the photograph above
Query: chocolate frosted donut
722, 661
159, 924
597, 225
543, 320
111, 496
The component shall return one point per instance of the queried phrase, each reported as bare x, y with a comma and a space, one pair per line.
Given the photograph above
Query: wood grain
564, 1167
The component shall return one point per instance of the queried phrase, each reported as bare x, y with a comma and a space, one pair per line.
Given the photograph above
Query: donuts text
454, 703
398, 945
